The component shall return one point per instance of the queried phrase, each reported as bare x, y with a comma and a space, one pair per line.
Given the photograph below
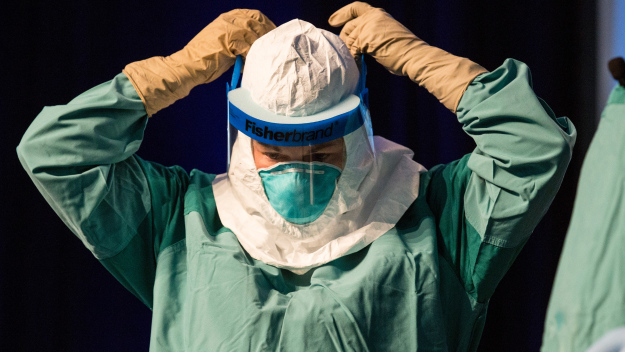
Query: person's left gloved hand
160, 81
370, 30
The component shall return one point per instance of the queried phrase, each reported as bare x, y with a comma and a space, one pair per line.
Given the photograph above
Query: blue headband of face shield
261, 125
298, 191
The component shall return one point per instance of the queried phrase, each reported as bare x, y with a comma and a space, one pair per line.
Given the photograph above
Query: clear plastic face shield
300, 160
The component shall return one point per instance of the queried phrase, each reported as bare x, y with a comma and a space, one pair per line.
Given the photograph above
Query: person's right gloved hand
160, 81
370, 30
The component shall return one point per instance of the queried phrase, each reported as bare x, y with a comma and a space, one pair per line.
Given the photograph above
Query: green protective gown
423, 286
588, 296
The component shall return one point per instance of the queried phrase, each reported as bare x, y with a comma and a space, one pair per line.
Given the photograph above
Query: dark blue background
54, 296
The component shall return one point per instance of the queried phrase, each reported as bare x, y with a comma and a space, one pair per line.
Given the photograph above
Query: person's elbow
562, 145
26, 153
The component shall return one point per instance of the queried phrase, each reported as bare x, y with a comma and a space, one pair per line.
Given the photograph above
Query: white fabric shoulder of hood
371, 196
613, 341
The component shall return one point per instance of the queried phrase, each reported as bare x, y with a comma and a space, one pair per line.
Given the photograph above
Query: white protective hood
374, 189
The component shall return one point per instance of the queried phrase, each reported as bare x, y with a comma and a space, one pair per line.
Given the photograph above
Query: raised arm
81, 155
487, 203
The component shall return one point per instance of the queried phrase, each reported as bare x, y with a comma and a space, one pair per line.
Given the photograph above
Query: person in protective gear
587, 299
303, 158
380, 253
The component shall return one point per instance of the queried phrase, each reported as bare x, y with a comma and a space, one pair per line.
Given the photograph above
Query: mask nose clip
308, 171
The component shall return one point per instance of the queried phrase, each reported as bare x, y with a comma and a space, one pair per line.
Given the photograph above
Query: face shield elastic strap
236, 74
363, 93
297, 134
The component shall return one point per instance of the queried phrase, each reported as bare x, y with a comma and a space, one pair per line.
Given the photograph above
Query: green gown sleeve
488, 203
81, 156
588, 295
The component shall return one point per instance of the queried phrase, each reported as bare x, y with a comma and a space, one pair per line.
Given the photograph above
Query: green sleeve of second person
81, 156
488, 203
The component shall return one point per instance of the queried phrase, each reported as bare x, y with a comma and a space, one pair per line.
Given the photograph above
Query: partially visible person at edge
588, 296
339, 242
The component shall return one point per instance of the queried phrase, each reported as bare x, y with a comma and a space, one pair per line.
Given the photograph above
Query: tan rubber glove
370, 30
160, 81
